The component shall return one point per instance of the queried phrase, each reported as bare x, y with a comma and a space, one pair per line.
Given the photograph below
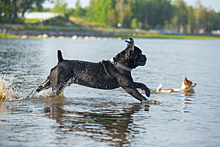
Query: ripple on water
91, 117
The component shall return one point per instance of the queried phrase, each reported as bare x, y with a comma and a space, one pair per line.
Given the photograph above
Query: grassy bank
32, 20
83, 22
3, 35
157, 36
11, 36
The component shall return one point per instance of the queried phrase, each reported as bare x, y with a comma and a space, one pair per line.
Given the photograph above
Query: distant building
166, 31
215, 32
39, 15
201, 31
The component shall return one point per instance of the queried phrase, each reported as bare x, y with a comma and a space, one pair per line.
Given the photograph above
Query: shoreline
91, 34
119, 37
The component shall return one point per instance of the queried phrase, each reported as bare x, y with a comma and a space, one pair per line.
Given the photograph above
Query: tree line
9, 9
150, 14
135, 14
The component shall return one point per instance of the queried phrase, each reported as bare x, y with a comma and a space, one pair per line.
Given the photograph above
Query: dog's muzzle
142, 61
194, 85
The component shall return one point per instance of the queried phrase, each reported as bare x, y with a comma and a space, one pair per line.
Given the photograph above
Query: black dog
103, 75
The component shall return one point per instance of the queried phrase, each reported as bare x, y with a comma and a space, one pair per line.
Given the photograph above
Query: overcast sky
215, 4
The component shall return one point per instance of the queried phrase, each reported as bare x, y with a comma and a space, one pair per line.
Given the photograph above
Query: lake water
91, 117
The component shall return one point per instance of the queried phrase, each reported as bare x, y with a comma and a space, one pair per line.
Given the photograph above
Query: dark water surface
93, 117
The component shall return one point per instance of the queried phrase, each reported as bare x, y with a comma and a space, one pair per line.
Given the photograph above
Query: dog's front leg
44, 85
143, 87
147, 92
134, 92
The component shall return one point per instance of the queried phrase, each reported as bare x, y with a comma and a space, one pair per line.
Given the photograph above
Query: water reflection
113, 126
187, 101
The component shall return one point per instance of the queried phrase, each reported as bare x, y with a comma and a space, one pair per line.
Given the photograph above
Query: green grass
3, 35
162, 36
83, 22
11, 36
32, 20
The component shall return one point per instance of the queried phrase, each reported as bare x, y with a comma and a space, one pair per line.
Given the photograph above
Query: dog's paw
147, 92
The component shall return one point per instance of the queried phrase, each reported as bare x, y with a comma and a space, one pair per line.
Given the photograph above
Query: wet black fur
102, 75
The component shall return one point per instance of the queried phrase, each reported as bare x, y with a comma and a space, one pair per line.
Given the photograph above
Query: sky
214, 4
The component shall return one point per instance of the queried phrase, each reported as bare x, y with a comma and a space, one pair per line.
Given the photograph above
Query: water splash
7, 89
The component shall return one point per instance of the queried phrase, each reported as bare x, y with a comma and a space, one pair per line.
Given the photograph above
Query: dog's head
188, 85
131, 56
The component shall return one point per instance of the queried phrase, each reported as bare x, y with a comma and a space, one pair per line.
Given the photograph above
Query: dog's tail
59, 55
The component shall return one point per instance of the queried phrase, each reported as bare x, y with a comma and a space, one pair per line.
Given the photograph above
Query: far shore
119, 37
94, 34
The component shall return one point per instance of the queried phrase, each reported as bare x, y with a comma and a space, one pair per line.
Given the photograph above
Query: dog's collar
120, 65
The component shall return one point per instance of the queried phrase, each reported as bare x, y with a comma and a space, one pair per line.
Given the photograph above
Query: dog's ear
131, 43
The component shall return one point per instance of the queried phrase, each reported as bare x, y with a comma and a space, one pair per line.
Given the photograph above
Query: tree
199, 18
60, 7
79, 11
9, 9
123, 12
135, 24
30, 5
152, 13
119, 11
180, 15
38, 6
101, 10
216, 25
205, 18
191, 20
111, 19
15, 10
6, 11
91, 10
212, 18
